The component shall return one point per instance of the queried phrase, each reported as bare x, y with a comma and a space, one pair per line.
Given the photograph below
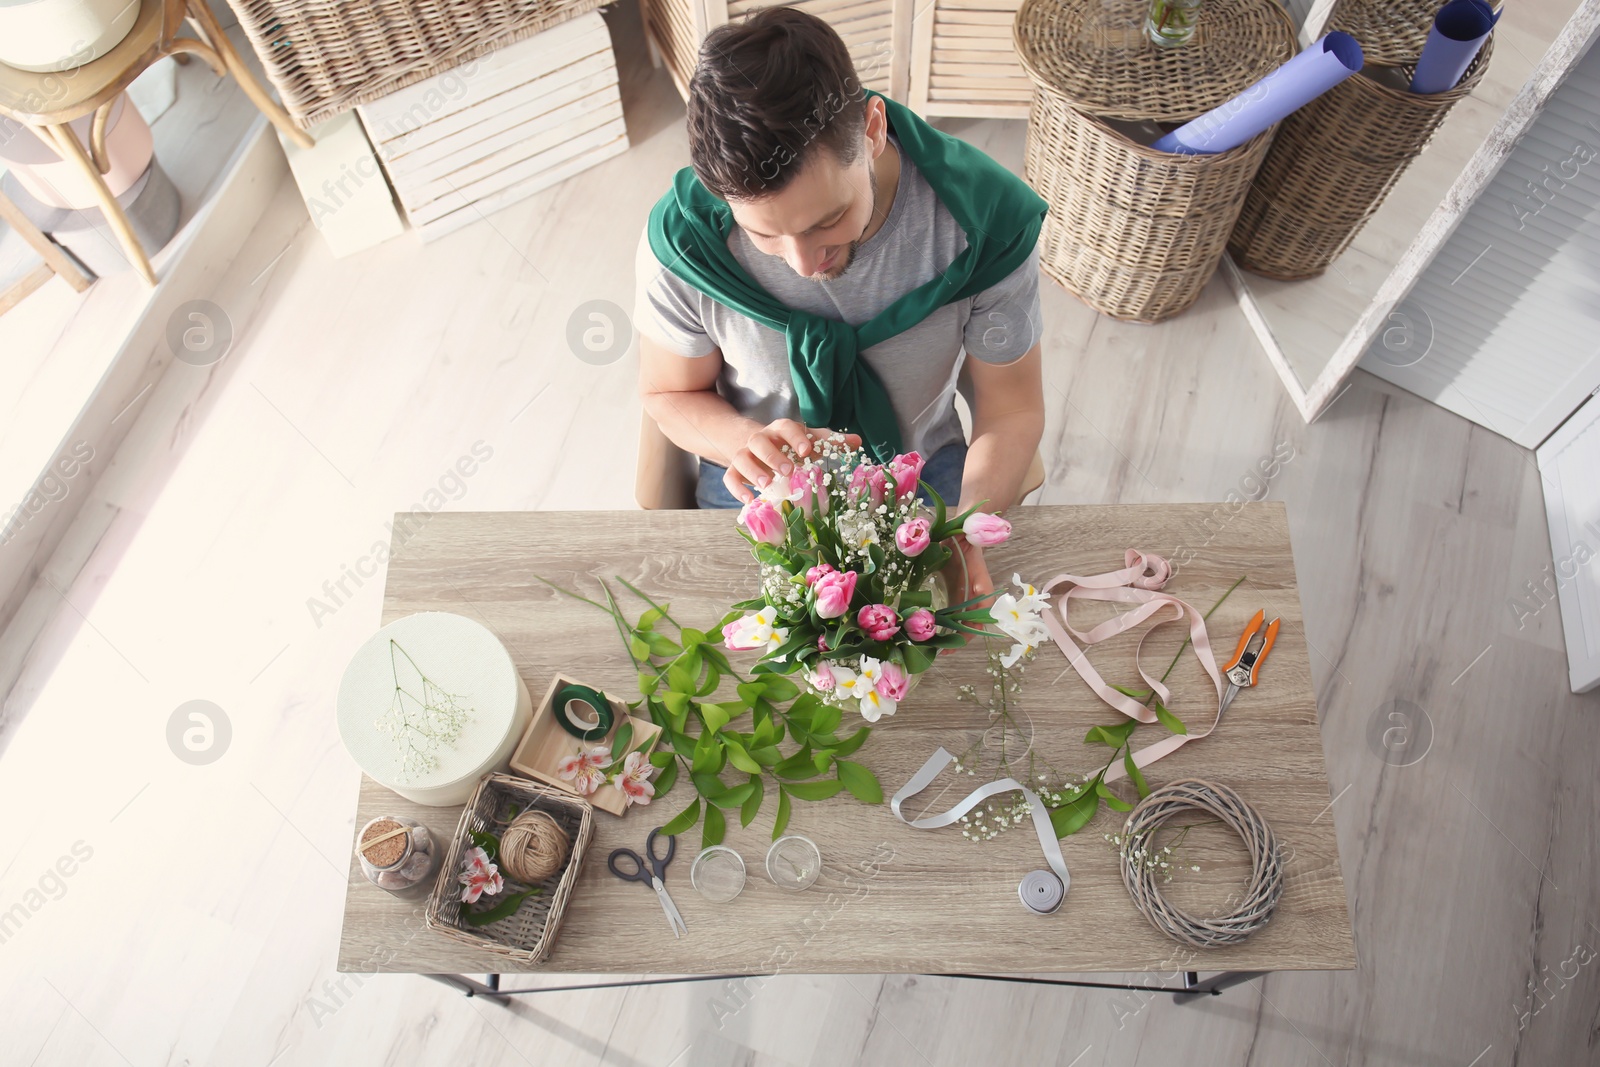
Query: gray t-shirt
918, 367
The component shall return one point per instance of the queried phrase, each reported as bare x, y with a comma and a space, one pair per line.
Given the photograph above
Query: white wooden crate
496, 130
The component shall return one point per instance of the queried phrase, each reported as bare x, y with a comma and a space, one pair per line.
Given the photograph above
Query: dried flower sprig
420, 724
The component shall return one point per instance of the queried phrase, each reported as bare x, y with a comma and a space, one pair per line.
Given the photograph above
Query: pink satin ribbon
1139, 583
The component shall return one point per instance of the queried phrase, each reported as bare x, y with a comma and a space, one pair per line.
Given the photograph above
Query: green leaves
782, 822
620, 743
1115, 736
819, 790
1075, 815
488, 842
862, 783
681, 681
503, 910
683, 820
1135, 775
752, 803
715, 825
741, 758
1169, 720
1113, 801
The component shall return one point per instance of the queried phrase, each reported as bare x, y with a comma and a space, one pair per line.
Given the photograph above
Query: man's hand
762, 456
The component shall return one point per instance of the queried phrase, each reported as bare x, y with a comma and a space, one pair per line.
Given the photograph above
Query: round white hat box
55, 35
430, 704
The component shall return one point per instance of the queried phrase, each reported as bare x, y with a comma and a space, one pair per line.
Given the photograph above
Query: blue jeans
942, 471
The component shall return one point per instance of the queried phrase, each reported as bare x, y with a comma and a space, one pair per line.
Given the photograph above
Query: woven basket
325, 57
1133, 232
1331, 166
530, 934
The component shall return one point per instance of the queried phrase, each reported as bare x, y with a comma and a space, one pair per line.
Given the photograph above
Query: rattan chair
48, 102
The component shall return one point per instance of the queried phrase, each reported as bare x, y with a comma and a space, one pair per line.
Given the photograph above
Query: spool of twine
534, 847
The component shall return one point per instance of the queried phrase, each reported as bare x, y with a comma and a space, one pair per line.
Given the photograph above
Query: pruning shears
1244, 669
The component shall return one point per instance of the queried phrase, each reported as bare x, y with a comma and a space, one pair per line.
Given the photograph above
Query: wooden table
893, 899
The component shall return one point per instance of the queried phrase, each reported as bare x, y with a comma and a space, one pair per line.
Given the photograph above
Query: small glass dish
718, 874
793, 862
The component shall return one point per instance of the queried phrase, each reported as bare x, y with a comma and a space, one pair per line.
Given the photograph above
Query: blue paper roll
1329, 61
1458, 32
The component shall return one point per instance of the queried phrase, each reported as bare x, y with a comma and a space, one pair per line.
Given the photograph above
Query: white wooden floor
199, 921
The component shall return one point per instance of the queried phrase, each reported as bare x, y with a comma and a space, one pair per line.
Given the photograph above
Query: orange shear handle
1244, 642
1266, 646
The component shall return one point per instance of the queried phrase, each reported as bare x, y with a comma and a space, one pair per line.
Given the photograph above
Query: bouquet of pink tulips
849, 554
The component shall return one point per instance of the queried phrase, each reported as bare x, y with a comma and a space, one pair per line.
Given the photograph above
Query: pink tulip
985, 530
892, 682
822, 679
833, 593
807, 481
919, 625
913, 536
763, 521
867, 480
906, 470
813, 573
879, 621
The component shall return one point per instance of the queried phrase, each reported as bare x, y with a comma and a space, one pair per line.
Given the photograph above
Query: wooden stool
48, 102
54, 259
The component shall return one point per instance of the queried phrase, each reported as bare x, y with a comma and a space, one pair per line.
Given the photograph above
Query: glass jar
1170, 23
398, 854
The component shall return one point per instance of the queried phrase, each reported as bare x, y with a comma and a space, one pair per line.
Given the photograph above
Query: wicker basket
1133, 232
530, 934
1331, 166
325, 57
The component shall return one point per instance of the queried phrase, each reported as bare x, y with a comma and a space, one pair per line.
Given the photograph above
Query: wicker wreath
1266, 863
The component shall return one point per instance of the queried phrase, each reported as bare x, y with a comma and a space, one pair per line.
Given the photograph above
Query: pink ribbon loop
1139, 582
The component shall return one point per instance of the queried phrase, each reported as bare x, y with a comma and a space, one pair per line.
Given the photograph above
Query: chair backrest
665, 475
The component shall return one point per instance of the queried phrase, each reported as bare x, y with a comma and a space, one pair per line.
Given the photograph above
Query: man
808, 265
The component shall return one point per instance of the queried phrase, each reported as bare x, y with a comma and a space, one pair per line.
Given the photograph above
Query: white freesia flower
845, 681
1019, 619
871, 671
756, 631
874, 705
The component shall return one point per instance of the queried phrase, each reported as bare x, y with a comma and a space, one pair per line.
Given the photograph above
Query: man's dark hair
768, 92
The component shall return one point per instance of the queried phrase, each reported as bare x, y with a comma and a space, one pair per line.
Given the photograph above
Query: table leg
201, 16
474, 988
67, 146
1212, 986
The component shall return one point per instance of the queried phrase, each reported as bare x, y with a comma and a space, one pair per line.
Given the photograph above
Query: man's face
816, 221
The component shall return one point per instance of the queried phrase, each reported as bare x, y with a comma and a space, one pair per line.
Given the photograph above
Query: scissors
651, 874
1245, 667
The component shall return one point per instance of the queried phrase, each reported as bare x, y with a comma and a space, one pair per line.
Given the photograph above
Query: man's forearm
998, 459
701, 422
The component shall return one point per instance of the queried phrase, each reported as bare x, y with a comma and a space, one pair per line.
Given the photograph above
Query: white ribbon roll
1041, 814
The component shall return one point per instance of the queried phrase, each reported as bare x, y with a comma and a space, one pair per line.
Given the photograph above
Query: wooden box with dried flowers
522, 923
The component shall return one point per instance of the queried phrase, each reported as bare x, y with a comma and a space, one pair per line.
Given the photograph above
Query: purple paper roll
1459, 31
1329, 61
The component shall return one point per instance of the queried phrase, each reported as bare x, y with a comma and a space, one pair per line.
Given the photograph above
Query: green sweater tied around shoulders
1000, 214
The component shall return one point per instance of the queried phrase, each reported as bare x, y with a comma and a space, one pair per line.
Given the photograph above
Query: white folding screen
1503, 327
1569, 466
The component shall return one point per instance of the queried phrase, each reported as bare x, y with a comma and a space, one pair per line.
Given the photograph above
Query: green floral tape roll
570, 694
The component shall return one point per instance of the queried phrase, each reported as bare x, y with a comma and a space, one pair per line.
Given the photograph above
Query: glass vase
1170, 23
